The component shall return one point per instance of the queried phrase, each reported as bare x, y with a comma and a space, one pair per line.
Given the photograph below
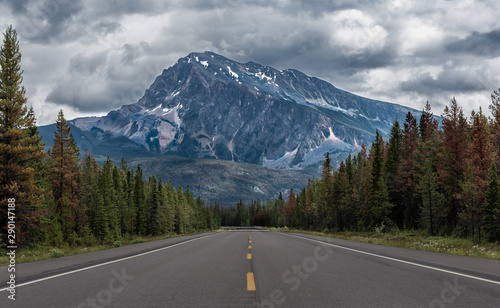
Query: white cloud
356, 32
418, 36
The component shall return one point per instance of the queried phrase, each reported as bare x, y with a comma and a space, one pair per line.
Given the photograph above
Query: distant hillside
225, 182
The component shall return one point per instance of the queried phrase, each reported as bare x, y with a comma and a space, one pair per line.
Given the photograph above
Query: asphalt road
250, 268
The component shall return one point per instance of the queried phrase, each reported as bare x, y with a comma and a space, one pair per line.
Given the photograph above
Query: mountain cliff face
207, 106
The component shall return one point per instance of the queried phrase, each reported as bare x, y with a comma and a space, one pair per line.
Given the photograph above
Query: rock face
207, 106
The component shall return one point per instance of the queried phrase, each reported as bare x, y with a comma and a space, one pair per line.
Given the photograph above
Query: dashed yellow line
249, 256
249, 241
249, 246
250, 282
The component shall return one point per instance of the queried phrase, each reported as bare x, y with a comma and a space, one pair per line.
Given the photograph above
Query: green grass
420, 241
44, 252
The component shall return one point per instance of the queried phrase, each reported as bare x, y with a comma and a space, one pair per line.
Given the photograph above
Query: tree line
61, 199
442, 179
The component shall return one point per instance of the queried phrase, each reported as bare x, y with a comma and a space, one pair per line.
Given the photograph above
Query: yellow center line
249, 241
250, 282
249, 246
249, 256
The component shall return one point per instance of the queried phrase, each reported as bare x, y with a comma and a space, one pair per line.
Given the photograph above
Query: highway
256, 268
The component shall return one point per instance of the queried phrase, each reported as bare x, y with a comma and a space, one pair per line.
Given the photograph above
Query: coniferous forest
442, 178
59, 199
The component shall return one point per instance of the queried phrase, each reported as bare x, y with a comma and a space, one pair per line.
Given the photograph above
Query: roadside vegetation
44, 252
416, 240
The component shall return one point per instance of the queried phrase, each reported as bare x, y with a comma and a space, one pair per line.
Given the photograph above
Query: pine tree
431, 198
452, 159
290, 206
391, 169
470, 214
171, 206
20, 147
495, 125
139, 199
378, 205
181, 215
90, 195
108, 194
491, 209
376, 152
406, 181
325, 205
63, 175
129, 211
153, 208
427, 124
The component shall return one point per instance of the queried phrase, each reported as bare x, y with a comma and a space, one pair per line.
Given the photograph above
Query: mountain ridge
208, 106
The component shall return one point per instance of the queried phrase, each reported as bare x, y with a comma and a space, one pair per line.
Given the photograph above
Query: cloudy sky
88, 57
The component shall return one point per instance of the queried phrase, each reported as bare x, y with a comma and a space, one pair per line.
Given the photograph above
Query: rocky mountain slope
207, 106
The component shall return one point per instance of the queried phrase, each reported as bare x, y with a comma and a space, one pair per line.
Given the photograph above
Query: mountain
209, 107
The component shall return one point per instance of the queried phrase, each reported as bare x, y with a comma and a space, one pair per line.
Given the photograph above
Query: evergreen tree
153, 208
480, 159
491, 218
139, 198
406, 181
470, 214
452, 159
495, 125
325, 205
63, 175
379, 206
20, 147
431, 198
290, 206
108, 193
427, 124
90, 195
391, 169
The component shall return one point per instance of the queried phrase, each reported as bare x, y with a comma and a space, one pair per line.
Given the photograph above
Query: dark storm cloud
106, 80
17, 6
449, 80
478, 44
109, 52
44, 20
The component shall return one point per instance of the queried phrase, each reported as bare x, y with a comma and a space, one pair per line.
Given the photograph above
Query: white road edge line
398, 260
109, 262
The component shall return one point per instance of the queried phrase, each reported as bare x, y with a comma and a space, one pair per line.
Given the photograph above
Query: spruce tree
20, 147
491, 209
378, 199
139, 199
63, 175
495, 125
391, 169
452, 159
153, 208
406, 181
431, 198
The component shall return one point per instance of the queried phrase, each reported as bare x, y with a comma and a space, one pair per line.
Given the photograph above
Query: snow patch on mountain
284, 162
233, 74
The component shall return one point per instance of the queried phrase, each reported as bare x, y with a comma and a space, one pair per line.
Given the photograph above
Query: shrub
56, 253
